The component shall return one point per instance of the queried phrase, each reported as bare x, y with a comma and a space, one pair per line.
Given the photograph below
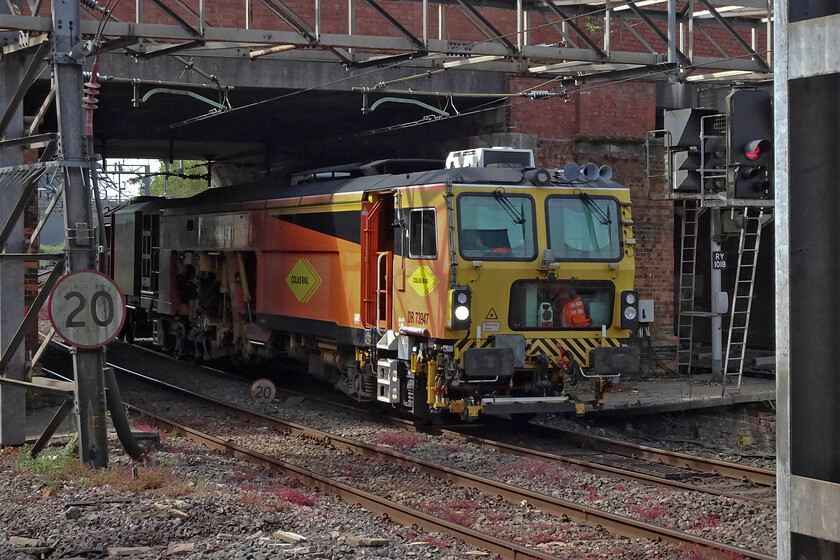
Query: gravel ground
735, 522
234, 510
190, 503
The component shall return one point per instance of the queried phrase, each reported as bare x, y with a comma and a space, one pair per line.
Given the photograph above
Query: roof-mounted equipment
491, 157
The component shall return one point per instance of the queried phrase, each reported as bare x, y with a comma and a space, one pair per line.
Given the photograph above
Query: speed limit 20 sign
87, 309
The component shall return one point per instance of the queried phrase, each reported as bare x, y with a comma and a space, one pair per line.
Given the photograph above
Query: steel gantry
580, 35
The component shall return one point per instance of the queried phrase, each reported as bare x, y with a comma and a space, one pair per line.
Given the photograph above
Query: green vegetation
186, 178
57, 468
51, 249
54, 248
54, 465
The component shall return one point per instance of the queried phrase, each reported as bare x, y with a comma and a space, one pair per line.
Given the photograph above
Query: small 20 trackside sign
86, 309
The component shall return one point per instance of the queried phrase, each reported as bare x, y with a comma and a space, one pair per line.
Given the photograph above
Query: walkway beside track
632, 397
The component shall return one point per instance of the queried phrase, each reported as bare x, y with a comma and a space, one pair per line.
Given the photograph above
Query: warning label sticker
423, 281
303, 280
492, 315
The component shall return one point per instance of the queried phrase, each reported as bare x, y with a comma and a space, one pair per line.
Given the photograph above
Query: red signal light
756, 148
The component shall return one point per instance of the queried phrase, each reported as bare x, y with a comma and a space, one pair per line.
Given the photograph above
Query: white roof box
486, 157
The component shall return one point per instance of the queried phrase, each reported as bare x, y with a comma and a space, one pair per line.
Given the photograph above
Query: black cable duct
119, 418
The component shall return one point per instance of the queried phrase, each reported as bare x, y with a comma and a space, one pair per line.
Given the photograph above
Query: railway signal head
751, 182
750, 127
750, 121
696, 144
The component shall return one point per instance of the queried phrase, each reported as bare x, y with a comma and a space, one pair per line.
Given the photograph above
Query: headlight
629, 311
460, 301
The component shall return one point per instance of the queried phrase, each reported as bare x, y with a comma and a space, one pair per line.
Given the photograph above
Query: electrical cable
510, 103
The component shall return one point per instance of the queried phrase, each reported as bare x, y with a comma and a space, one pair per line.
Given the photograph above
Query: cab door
377, 261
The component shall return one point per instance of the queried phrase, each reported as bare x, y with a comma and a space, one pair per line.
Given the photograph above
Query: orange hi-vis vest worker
575, 315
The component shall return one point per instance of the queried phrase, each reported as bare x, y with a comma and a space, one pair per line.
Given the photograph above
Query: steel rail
763, 477
617, 524
394, 511
757, 475
597, 468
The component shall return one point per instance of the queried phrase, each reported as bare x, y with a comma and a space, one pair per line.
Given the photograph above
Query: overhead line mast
68, 81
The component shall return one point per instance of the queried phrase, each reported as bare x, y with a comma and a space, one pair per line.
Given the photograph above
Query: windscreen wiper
593, 207
518, 216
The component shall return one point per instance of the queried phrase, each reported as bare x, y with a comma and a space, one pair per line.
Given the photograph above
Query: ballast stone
366, 541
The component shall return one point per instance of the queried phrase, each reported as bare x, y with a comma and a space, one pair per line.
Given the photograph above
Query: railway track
647, 465
616, 524
393, 510
566, 510
603, 456
756, 475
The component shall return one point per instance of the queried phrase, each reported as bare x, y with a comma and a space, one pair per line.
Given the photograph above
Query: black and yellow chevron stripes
578, 347
468, 343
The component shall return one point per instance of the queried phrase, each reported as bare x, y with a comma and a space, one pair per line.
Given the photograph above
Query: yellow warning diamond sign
423, 281
303, 280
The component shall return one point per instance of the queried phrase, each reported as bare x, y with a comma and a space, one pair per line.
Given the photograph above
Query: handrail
379, 330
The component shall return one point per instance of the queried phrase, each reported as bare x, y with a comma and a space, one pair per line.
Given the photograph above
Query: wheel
179, 344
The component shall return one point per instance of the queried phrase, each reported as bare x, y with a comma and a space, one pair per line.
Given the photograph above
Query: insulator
89, 101
93, 5
540, 94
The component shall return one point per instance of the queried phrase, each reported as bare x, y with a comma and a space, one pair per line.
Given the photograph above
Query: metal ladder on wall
688, 263
739, 319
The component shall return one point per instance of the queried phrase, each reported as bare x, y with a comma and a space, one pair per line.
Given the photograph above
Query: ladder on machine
739, 319
688, 263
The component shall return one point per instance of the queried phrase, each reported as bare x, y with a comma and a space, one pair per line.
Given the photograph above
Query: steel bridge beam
304, 36
12, 401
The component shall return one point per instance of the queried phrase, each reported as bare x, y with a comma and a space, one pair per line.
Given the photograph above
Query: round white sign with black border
263, 390
86, 309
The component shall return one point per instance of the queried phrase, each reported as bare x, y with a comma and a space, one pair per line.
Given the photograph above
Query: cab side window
422, 234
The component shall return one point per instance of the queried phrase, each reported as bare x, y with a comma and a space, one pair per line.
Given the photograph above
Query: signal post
721, 162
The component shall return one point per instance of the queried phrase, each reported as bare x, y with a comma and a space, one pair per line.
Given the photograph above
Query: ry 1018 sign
718, 260
87, 309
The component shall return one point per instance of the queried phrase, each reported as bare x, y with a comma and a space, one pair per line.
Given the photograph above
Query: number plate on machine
86, 309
